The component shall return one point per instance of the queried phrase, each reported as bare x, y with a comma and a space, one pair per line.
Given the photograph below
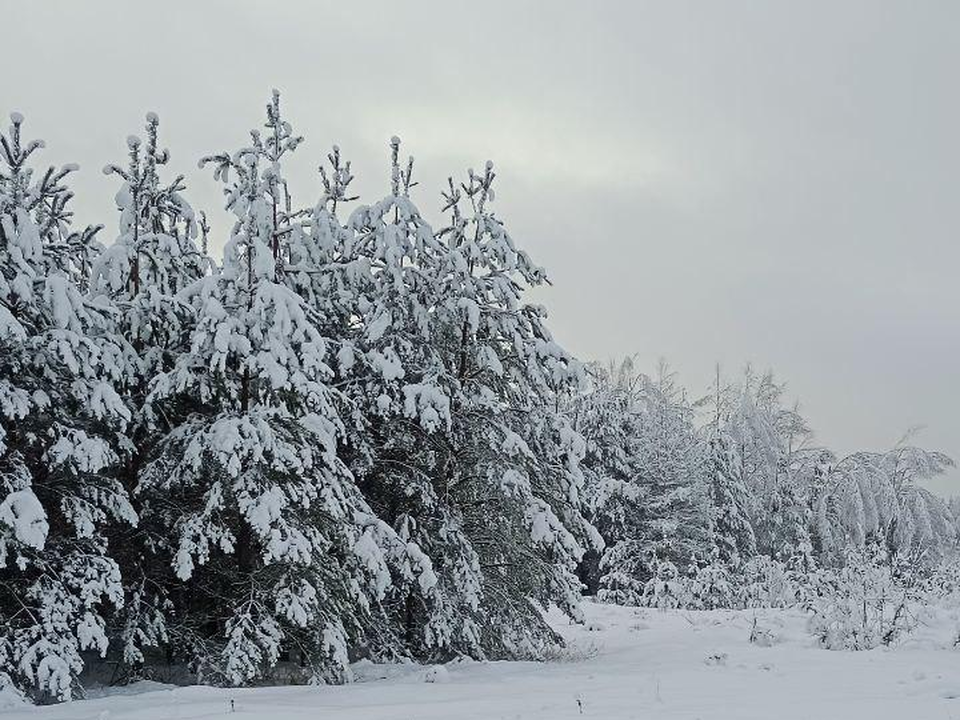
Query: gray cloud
706, 181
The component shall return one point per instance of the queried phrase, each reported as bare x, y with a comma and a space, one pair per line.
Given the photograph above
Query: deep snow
623, 663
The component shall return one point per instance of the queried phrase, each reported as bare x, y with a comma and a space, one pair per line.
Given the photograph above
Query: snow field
621, 663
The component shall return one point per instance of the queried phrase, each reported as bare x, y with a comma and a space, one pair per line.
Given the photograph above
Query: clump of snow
763, 636
717, 658
10, 698
24, 515
436, 674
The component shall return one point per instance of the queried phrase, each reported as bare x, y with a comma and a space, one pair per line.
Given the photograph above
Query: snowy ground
625, 663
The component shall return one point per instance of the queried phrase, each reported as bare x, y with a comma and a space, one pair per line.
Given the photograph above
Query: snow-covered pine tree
712, 585
154, 257
153, 260
275, 546
508, 462
408, 411
373, 282
61, 434
426, 322
665, 589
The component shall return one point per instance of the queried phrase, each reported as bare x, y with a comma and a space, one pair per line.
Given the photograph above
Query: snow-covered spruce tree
608, 415
712, 585
61, 434
507, 462
732, 533
665, 589
672, 497
604, 413
152, 261
276, 548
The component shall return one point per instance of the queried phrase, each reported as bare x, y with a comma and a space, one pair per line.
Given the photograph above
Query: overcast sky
710, 181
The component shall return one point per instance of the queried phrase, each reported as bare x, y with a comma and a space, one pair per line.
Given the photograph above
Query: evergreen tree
651, 501
62, 436
252, 475
509, 462
373, 280
355, 438
732, 533
671, 467
606, 414
152, 261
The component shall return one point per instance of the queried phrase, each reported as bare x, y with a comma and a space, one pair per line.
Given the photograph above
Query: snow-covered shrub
762, 635
859, 606
436, 674
666, 589
10, 697
623, 566
768, 583
942, 585
711, 587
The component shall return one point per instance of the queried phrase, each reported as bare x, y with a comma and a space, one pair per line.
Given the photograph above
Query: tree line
352, 437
